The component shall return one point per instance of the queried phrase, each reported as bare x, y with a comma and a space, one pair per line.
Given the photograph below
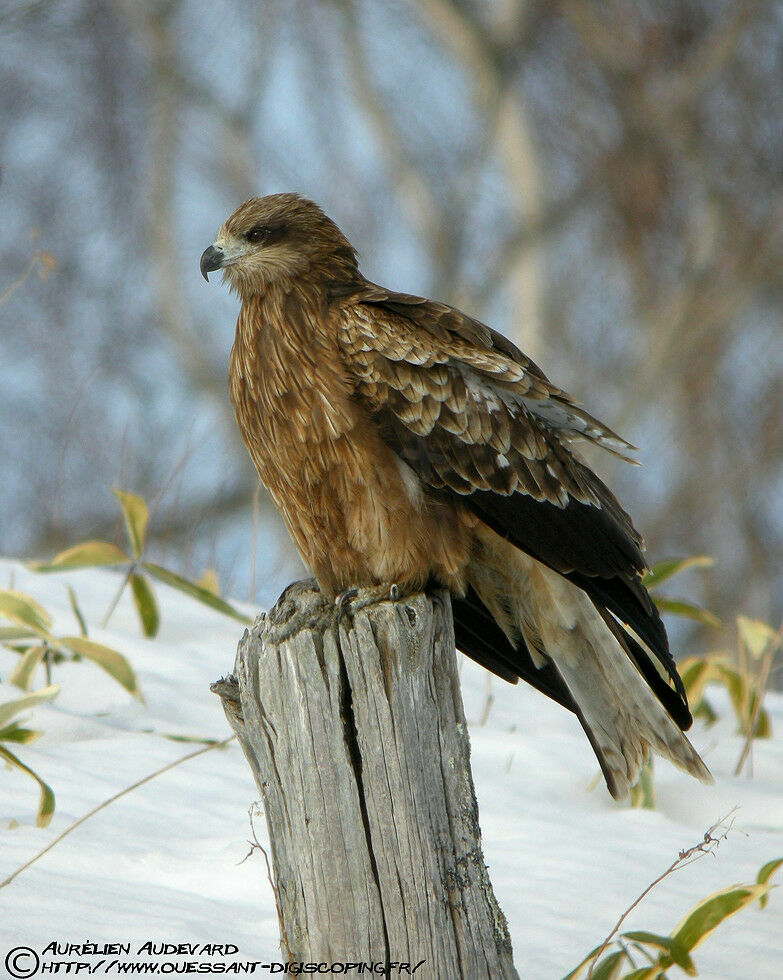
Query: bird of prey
406, 443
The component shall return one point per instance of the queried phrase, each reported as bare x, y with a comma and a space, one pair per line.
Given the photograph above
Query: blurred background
601, 181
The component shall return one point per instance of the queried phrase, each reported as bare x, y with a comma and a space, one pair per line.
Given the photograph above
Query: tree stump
354, 729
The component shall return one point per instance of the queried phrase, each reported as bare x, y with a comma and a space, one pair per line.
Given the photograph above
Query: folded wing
474, 417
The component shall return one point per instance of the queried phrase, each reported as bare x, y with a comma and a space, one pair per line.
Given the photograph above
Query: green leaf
10, 633
609, 967
663, 570
25, 611
146, 606
112, 662
198, 740
645, 973
195, 591
643, 790
134, 510
763, 878
704, 712
15, 733
46, 798
88, 554
77, 611
10, 708
668, 945
577, 971
705, 917
763, 724
678, 607
739, 694
696, 673
22, 674
757, 637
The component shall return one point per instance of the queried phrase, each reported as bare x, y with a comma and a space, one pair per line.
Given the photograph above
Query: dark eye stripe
265, 234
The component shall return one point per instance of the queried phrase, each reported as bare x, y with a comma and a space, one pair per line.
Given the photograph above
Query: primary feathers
405, 442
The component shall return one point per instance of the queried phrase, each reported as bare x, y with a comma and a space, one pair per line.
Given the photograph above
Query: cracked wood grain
354, 730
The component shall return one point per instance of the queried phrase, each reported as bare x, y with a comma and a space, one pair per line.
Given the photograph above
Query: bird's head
276, 240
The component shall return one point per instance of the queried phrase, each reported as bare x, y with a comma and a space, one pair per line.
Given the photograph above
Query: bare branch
707, 845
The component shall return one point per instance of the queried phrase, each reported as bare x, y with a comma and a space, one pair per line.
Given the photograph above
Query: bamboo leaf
763, 878
10, 708
678, 607
645, 973
757, 637
15, 733
577, 971
77, 611
134, 510
146, 606
643, 791
46, 797
197, 739
10, 633
22, 673
664, 570
112, 662
763, 724
610, 966
669, 946
739, 694
704, 712
705, 917
195, 591
25, 611
209, 581
88, 554
696, 673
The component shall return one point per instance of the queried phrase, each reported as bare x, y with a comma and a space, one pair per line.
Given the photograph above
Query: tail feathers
674, 699
620, 713
479, 637
521, 618
623, 721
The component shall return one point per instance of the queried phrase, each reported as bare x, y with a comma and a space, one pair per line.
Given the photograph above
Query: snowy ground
163, 862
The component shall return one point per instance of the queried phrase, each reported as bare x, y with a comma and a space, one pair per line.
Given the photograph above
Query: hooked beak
211, 260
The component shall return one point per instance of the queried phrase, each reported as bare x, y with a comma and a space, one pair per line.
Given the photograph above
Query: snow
163, 862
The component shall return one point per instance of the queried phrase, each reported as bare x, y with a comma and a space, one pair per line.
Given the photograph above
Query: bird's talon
342, 600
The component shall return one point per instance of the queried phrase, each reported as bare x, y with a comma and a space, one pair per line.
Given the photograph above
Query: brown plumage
406, 443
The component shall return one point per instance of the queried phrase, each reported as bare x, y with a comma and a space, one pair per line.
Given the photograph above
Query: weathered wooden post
355, 733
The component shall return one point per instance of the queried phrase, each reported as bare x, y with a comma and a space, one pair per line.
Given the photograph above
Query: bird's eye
261, 233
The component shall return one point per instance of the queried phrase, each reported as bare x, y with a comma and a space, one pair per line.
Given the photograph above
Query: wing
472, 416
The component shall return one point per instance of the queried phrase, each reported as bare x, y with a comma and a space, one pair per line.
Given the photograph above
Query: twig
683, 859
112, 799
256, 845
118, 595
35, 261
